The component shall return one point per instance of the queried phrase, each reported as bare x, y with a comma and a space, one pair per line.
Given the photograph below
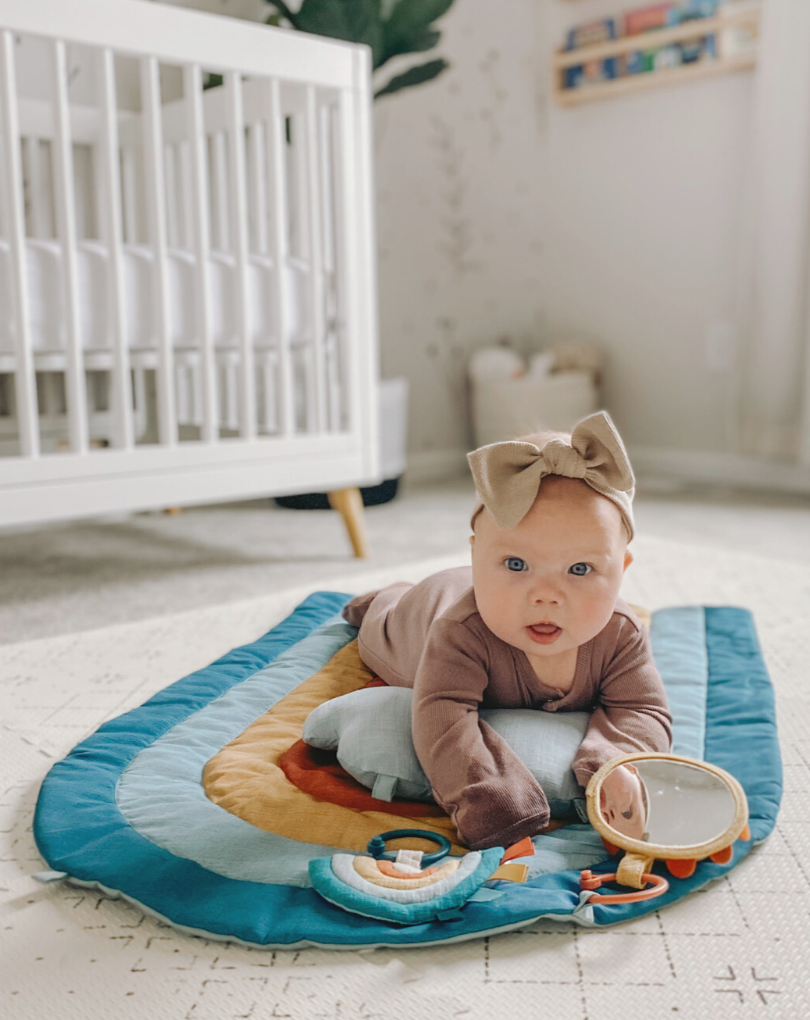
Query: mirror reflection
666, 802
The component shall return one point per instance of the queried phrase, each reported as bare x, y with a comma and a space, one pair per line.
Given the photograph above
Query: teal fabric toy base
125, 811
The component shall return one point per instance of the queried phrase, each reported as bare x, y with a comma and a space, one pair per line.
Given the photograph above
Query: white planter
393, 426
504, 408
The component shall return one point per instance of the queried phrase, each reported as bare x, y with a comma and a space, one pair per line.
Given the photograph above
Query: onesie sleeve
476, 777
631, 712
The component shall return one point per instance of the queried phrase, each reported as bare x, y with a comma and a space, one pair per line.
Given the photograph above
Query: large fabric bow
508, 475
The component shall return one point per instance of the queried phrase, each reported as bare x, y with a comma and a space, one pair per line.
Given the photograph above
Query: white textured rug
738, 949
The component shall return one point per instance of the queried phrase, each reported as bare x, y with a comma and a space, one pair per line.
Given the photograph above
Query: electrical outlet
721, 347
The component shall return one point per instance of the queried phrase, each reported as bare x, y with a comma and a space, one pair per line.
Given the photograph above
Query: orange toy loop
588, 880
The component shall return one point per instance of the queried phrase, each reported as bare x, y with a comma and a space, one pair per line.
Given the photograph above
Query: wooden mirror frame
640, 854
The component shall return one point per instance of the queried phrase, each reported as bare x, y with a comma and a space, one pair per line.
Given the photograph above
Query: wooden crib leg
349, 504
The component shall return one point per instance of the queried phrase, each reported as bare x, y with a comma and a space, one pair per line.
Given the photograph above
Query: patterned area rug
732, 950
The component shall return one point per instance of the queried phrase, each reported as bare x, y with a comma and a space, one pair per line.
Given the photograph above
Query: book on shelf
650, 57
666, 15
592, 71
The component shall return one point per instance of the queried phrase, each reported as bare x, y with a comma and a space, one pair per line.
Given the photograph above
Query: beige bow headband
508, 475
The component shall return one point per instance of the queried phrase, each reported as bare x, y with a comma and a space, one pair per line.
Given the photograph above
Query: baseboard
434, 465
652, 463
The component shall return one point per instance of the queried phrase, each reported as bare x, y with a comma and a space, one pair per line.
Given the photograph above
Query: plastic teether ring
376, 845
587, 880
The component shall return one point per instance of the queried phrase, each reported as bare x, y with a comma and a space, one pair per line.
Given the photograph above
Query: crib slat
172, 196
332, 345
156, 214
219, 191
199, 224
316, 388
24, 377
110, 202
356, 282
238, 205
66, 232
185, 196
277, 189
326, 167
258, 180
130, 199
36, 187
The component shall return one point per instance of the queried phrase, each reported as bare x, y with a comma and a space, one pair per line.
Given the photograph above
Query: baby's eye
628, 813
516, 563
580, 569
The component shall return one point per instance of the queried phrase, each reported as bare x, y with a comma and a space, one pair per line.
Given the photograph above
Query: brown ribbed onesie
430, 636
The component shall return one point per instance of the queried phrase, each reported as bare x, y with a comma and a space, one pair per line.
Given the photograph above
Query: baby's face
551, 584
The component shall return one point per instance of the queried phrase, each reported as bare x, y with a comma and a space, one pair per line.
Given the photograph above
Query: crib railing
186, 274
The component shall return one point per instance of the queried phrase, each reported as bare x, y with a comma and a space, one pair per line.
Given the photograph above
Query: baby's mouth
544, 633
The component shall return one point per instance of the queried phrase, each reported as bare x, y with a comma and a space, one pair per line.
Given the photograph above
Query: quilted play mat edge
80, 830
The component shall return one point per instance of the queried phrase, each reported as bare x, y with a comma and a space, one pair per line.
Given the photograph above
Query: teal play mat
126, 812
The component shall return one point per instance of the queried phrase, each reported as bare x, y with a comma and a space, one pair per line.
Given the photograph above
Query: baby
537, 623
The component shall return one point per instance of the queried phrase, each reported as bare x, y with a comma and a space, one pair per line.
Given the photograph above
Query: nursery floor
737, 950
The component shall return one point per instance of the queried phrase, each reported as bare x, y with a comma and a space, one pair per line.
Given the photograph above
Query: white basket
393, 426
507, 408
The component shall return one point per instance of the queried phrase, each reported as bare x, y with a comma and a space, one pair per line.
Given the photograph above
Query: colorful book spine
592, 71
664, 15
647, 19
591, 33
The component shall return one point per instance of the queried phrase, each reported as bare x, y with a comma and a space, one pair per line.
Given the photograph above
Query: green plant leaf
339, 19
421, 40
352, 20
413, 76
284, 10
409, 15
409, 22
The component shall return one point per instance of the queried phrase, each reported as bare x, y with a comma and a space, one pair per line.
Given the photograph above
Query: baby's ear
628, 559
472, 539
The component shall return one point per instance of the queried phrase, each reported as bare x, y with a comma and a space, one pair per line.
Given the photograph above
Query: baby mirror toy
662, 807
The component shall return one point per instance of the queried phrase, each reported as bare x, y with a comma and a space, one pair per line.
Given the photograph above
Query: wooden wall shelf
706, 68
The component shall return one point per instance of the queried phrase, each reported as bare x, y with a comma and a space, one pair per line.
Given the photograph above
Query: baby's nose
545, 591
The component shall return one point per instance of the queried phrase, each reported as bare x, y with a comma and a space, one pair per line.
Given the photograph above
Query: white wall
621, 221
642, 220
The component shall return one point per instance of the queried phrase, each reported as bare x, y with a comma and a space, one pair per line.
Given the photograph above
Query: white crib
187, 290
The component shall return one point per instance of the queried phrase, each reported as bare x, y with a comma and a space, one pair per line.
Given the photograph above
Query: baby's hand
621, 801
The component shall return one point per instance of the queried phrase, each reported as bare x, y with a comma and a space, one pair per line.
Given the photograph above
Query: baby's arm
491, 796
631, 712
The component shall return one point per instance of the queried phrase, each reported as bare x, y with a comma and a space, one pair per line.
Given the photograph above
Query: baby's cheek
495, 615
596, 611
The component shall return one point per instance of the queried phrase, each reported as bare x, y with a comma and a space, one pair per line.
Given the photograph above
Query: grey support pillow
371, 732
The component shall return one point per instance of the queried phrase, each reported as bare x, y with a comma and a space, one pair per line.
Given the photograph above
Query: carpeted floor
88, 574
736, 949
